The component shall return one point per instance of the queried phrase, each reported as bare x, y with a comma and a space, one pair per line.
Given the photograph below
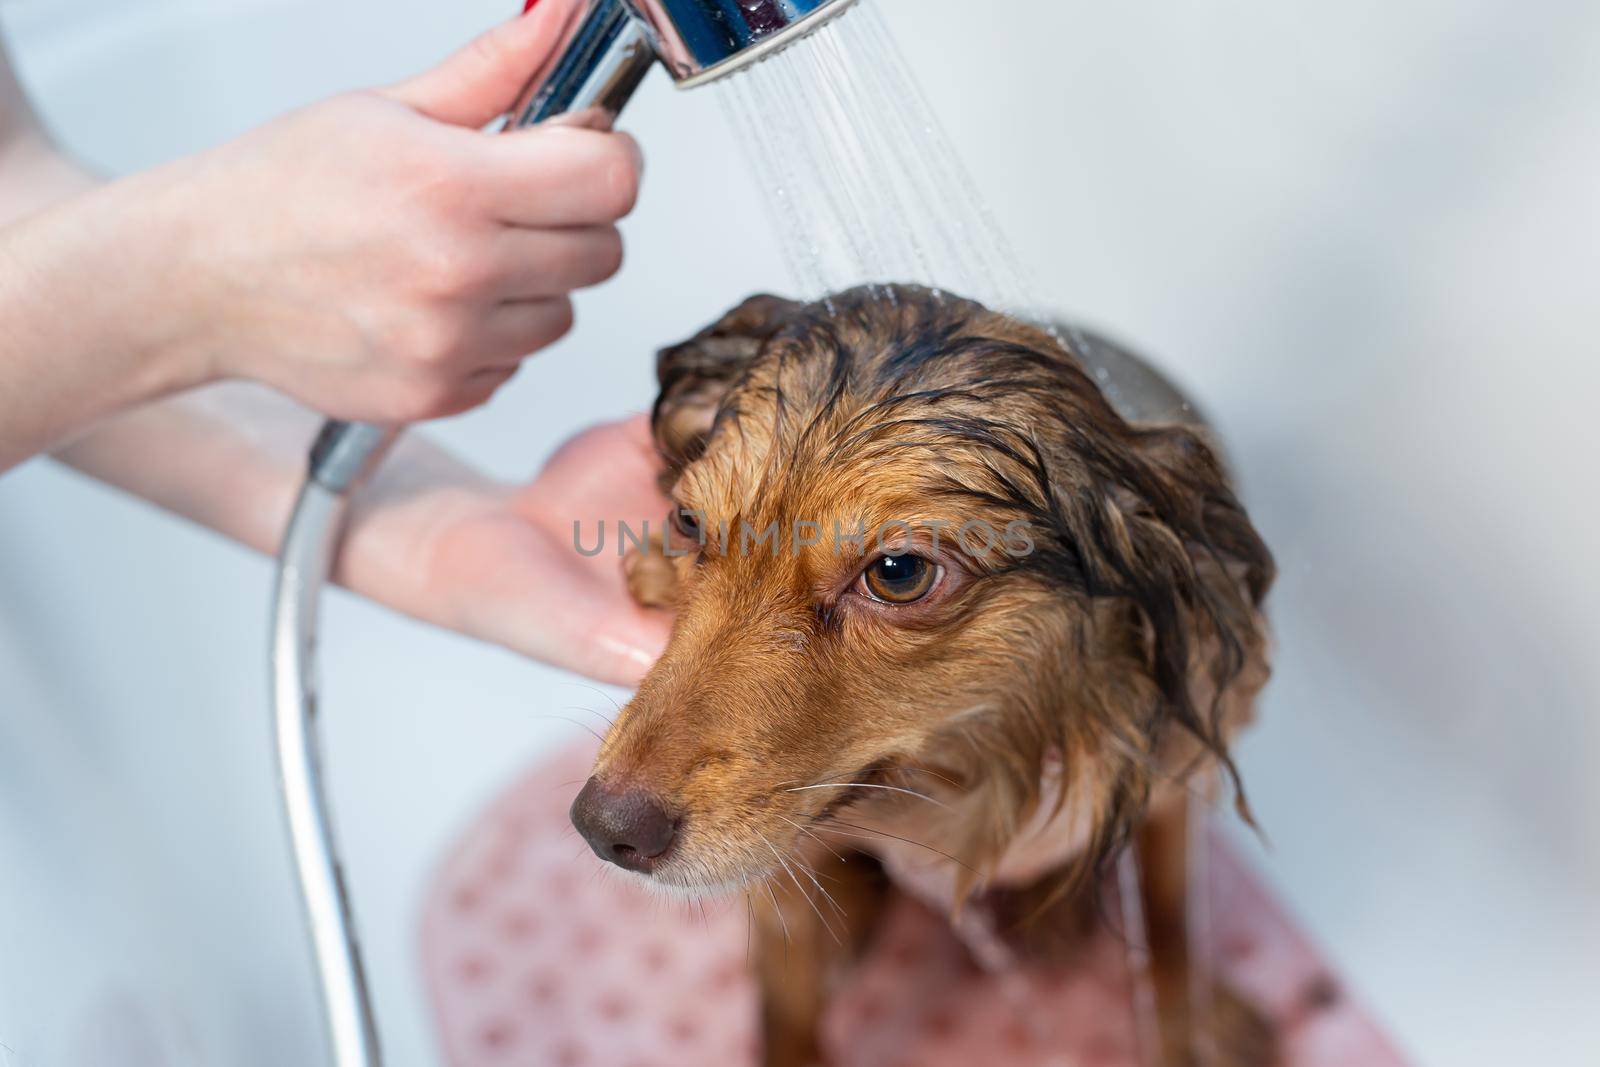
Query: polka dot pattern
536, 953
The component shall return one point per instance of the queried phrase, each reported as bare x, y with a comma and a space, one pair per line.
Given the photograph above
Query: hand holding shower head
607, 46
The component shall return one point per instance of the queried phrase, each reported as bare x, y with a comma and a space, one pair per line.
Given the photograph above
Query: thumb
482, 80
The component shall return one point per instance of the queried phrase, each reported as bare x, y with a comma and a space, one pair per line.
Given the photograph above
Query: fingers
479, 389
506, 337
561, 176
543, 263
456, 367
482, 80
511, 332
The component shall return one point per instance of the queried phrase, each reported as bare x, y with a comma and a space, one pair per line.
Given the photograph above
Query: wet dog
951, 620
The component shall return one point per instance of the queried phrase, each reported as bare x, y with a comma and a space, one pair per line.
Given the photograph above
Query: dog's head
921, 555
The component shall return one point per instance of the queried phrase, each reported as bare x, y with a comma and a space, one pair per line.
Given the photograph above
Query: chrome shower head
702, 40
608, 45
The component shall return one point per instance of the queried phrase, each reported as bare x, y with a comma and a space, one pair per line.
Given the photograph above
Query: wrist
132, 257
125, 247
76, 337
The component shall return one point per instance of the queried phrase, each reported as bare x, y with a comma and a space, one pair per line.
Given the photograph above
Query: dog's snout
625, 826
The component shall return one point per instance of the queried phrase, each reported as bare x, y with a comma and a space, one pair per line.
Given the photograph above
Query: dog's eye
900, 579
686, 523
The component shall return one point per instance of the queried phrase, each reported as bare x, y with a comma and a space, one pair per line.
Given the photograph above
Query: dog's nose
624, 826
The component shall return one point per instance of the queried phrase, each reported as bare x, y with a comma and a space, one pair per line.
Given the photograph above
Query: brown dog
945, 612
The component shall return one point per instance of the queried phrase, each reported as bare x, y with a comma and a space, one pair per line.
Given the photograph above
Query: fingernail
529, 6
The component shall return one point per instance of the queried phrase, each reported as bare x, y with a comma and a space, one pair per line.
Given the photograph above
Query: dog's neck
927, 869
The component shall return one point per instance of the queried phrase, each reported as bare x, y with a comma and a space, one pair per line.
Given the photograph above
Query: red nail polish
529, 6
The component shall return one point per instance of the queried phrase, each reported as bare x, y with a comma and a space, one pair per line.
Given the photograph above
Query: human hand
376, 256
500, 564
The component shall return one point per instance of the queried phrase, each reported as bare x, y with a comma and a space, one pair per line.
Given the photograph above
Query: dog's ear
1174, 649
1172, 538
696, 375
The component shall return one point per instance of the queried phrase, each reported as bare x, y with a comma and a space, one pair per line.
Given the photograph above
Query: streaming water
866, 188
865, 185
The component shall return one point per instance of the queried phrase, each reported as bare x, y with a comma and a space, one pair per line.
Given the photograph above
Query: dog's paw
1234, 1033
1239, 1034
650, 576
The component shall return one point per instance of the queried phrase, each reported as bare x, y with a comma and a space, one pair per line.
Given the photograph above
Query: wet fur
1118, 657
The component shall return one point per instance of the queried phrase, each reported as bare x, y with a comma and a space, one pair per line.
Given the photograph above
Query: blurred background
1365, 235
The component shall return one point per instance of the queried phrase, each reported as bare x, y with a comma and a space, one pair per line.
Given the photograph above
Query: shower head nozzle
700, 41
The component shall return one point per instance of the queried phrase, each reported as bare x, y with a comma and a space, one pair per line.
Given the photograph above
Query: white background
1364, 234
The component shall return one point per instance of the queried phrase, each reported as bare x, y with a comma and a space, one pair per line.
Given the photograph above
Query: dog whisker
597, 689
749, 929
782, 922
806, 830
588, 711
893, 837
798, 887
930, 772
574, 722
811, 874
826, 896
868, 785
